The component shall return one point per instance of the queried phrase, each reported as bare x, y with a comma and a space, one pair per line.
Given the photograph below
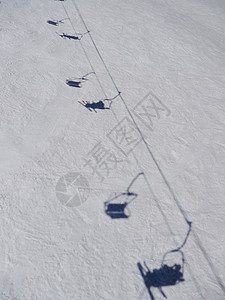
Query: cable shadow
166, 275
196, 238
120, 210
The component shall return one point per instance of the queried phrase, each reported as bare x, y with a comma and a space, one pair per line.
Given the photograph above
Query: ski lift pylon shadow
166, 275
120, 210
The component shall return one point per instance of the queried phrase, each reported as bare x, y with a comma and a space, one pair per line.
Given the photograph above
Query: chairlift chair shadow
158, 278
77, 82
78, 36
56, 23
166, 275
93, 106
117, 210
120, 210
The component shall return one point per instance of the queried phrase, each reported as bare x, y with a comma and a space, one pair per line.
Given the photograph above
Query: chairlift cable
196, 238
138, 164
150, 152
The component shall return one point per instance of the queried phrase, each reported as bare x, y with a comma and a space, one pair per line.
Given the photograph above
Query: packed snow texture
169, 50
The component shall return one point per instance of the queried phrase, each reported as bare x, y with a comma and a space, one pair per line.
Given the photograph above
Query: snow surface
173, 49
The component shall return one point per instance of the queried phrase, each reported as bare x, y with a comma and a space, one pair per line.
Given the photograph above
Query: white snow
173, 49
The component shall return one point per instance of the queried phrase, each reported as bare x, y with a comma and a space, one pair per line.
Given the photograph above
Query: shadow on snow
119, 210
78, 81
98, 105
72, 37
165, 275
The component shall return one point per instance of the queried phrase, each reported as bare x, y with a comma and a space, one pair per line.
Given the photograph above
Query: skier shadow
98, 105
72, 37
120, 210
166, 275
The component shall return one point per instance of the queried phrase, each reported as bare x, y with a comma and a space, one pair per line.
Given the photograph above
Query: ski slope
60, 162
